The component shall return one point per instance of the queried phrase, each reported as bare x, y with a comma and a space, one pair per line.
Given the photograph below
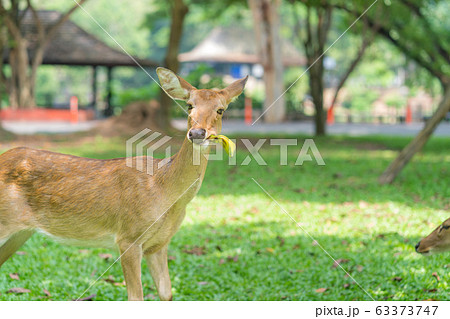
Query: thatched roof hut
236, 45
71, 45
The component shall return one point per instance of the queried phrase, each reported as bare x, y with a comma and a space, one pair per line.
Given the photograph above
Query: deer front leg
131, 267
157, 264
13, 244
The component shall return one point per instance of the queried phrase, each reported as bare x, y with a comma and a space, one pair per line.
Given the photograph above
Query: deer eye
189, 106
442, 228
220, 111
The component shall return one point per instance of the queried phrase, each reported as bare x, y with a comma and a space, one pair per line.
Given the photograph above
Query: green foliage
56, 84
251, 250
296, 94
257, 95
377, 73
395, 100
360, 99
144, 93
412, 25
420, 78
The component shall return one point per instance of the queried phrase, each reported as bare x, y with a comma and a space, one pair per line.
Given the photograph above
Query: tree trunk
22, 92
266, 26
314, 45
3, 82
316, 87
418, 142
179, 11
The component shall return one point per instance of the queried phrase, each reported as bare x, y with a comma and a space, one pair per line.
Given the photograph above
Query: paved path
27, 128
236, 126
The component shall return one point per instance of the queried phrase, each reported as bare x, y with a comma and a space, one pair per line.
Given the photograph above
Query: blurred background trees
397, 51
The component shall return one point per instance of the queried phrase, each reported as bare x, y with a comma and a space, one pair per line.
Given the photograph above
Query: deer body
97, 200
105, 202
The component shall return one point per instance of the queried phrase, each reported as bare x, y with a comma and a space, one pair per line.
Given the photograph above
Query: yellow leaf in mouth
227, 144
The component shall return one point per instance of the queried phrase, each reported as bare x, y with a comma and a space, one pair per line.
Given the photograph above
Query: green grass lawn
237, 244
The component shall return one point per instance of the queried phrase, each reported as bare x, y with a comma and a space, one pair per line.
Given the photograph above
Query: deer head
205, 107
436, 242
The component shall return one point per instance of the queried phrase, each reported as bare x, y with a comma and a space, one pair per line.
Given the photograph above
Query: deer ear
233, 90
175, 86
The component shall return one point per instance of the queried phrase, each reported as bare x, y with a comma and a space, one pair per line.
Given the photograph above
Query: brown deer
436, 242
107, 203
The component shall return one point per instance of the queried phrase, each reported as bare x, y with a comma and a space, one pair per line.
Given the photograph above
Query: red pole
248, 110
330, 115
408, 118
74, 109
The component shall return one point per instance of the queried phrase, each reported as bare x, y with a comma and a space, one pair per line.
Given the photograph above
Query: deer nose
197, 135
417, 246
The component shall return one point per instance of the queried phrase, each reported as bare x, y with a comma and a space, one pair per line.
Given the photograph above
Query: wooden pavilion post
109, 109
94, 87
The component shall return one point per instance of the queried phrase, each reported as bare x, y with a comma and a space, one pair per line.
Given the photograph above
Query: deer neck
184, 172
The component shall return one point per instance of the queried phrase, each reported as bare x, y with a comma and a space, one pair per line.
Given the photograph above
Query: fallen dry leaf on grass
120, 284
88, 298
337, 175
21, 253
14, 276
18, 290
321, 290
362, 204
359, 268
282, 241
196, 250
430, 290
47, 293
105, 256
339, 261
270, 250
150, 296
435, 275
110, 279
